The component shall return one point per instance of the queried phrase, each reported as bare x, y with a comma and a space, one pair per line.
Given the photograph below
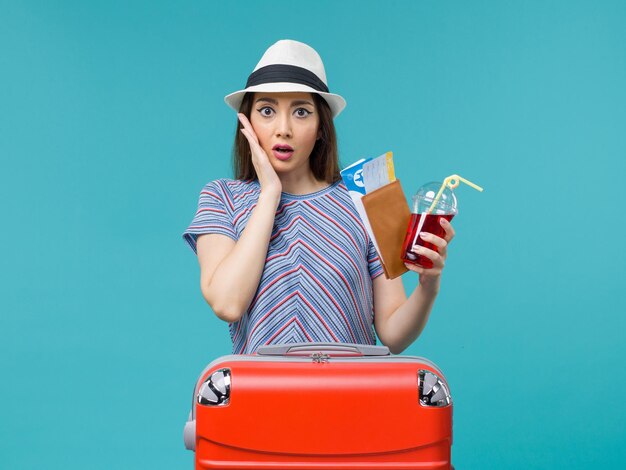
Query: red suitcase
320, 406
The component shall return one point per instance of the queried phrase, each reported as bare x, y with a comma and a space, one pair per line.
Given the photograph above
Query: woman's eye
266, 111
301, 112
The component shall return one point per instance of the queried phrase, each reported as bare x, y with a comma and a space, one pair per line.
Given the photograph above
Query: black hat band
286, 73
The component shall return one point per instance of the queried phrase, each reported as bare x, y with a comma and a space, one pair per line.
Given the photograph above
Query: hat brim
335, 102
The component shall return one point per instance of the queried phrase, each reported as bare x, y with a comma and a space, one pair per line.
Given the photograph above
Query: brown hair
324, 159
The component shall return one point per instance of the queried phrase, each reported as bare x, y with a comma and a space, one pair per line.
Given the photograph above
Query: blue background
112, 120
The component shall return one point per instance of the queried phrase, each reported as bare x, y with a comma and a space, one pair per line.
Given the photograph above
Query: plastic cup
423, 221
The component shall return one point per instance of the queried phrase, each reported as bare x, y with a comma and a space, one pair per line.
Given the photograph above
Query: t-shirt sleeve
373, 261
214, 215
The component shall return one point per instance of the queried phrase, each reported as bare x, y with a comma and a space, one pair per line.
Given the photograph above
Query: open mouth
282, 148
282, 151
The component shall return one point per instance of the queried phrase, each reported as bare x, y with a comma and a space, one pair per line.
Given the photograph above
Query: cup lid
425, 195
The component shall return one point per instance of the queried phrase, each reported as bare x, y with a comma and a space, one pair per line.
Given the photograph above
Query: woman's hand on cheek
268, 179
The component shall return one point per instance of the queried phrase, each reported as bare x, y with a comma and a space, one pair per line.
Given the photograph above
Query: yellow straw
452, 182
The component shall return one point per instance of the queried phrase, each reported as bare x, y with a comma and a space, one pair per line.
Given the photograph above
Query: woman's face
287, 126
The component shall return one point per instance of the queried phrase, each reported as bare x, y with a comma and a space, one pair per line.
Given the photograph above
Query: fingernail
424, 235
443, 221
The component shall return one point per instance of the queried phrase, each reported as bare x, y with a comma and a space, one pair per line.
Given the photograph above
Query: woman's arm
400, 320
230, 271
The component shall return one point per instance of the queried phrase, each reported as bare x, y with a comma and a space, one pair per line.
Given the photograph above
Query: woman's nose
283, 126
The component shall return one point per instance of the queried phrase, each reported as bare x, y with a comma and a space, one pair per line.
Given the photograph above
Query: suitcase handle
331, 349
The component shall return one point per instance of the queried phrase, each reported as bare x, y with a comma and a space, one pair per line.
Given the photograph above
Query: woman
283, 255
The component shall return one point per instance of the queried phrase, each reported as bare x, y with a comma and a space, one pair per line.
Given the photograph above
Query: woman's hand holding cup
429, 277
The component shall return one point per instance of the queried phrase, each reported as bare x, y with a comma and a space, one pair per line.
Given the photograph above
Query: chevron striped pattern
317, 280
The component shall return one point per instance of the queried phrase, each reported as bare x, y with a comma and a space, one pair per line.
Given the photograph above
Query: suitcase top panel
318, 352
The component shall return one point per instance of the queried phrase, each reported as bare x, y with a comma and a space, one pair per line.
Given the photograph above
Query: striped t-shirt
317, 280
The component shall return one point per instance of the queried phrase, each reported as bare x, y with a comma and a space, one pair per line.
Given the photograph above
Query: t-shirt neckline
315, 194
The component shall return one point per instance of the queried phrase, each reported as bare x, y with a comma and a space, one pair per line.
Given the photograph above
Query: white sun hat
289, 66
